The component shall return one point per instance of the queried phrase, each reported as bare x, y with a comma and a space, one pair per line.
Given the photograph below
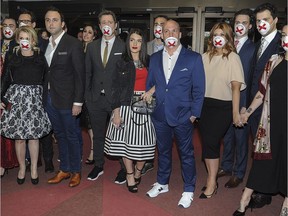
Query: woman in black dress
24, 117
89, 34
268, 173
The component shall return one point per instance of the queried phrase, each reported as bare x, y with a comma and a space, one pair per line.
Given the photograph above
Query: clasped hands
241, 119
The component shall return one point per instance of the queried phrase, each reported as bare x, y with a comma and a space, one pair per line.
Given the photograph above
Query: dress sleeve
236, 70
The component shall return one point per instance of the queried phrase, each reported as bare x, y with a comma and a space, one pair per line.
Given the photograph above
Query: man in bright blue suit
236, 139
179, 80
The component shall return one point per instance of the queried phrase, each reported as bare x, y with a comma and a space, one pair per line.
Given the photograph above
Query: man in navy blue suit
266, 20
179, 80
64, 95
236, 139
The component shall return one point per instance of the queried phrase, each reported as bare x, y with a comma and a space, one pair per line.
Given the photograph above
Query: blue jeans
68, 134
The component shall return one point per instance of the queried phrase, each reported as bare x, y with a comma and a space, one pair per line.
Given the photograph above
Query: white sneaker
186, 199
157, 189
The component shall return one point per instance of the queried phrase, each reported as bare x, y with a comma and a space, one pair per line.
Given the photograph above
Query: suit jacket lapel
243, 48
97, 53
177, 65
54, 58
162, 74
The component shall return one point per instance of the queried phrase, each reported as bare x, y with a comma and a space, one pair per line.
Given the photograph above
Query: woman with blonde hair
224, 81
24, 117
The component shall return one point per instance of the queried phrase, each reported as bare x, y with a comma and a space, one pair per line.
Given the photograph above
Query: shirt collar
177, 51
271, 36
111, 41
57, 39
242, 40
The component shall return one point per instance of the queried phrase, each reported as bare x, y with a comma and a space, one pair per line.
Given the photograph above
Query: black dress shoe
233, 182
35, 181
222, 173
49, 168
20, 181
148, 166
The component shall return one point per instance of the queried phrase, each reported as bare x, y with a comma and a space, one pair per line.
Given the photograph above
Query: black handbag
142, 107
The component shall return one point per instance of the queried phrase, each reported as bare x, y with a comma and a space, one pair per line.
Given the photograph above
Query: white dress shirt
170, 61
103, 45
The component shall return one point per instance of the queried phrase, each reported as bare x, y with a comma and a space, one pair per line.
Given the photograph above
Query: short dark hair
8, 17
30, 13
250, 13
161, 16
107, 12
53, 8
267, 6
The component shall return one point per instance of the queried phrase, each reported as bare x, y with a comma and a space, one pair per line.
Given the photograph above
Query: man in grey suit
101, 58
157, 44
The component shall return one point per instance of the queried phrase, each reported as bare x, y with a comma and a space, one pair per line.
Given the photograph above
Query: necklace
138, 64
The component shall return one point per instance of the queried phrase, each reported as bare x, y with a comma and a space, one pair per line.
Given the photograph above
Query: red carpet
104, 197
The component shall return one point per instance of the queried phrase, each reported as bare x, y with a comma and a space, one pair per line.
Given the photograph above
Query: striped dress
137, 139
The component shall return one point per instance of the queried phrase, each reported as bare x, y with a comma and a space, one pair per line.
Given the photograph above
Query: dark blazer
258, 66
66, 73
246, 55
98, 77
124, 82
183, 96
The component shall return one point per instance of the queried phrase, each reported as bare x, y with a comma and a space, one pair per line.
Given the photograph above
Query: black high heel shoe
131, 188
35, 181
5, 172
204, 187
89, 162
238, 213
20, 181
204, 196
138, 180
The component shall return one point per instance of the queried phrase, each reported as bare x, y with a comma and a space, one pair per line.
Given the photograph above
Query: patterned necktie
259, 53
105, 55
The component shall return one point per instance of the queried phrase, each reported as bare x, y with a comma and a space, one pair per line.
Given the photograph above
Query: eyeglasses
24, 21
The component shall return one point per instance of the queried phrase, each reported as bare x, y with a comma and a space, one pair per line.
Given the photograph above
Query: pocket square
184, 69
62, 53
117, 53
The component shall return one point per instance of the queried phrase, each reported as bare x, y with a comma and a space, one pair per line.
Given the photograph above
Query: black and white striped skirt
135, 141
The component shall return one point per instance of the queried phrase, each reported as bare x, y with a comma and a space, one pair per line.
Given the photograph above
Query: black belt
102, 94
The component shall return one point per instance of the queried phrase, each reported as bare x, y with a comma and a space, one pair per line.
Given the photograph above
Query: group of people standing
98, 79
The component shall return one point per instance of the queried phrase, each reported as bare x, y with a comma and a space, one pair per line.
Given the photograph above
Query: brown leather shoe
59, 177
233, 182
222, 173
75, 180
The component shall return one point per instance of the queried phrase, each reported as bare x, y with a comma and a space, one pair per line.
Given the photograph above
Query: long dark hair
143, 51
